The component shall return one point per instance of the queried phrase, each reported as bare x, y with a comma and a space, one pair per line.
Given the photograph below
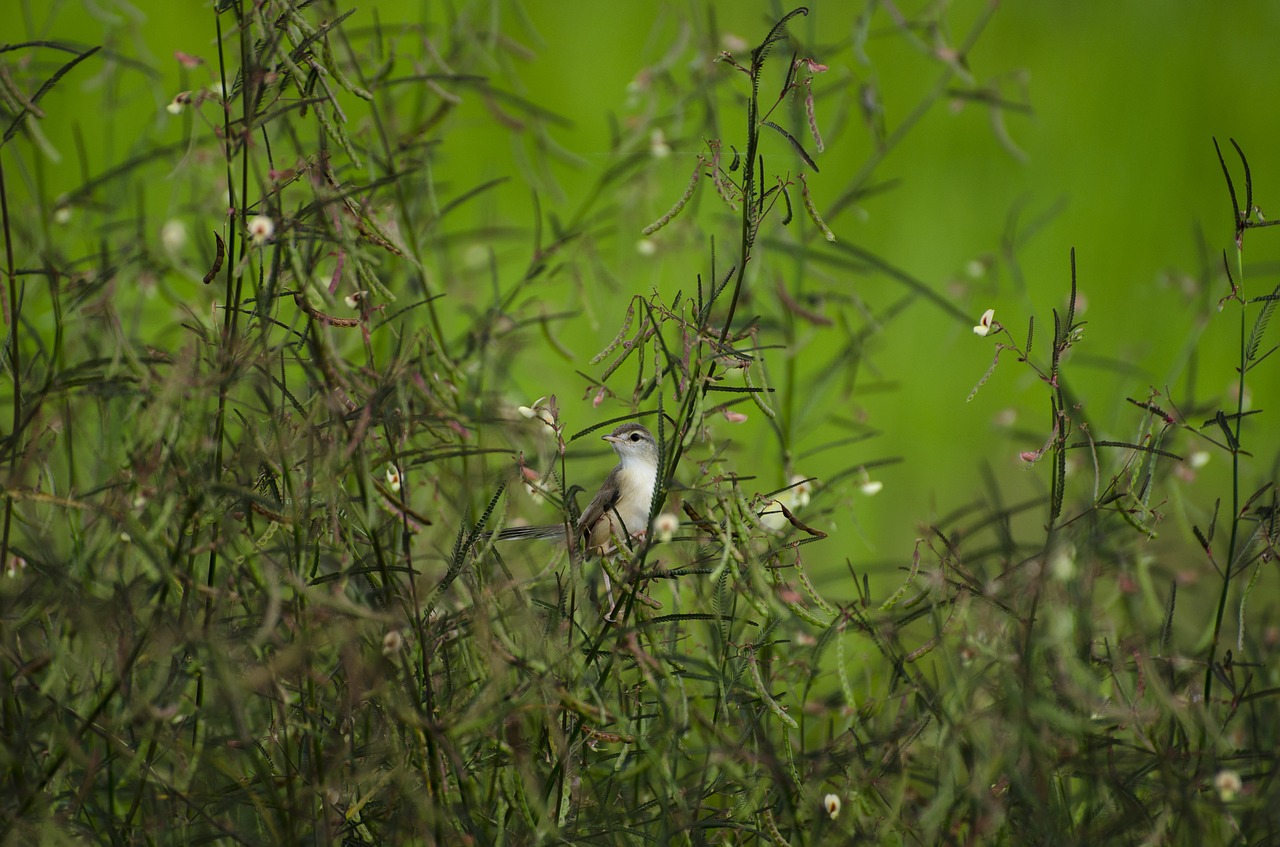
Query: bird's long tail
549, 531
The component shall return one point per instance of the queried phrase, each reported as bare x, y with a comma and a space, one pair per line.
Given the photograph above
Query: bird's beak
610, 438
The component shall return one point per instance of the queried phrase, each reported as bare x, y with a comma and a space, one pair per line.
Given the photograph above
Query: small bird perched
620, 508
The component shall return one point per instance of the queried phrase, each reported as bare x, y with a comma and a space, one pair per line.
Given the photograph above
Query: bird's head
633, 443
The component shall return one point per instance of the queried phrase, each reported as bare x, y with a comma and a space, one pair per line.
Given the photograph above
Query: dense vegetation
271, 389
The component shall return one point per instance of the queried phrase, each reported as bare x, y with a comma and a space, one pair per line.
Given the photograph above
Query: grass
253, 596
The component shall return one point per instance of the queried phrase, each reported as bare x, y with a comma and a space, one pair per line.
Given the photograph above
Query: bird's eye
635, 436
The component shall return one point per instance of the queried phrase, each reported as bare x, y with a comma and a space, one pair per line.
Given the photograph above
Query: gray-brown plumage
620, 508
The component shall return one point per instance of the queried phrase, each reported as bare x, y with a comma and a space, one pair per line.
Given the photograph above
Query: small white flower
261, 228
392, 642
1199, 459
1228, 783
537, 410
62, 214
646, 247
354, 300
1063, 564
535, 494
831, 805
179, 102
986, 323
871, 487
532, 411
658, 146
801, 490
16, 563
665, 525
393, 478
173, 235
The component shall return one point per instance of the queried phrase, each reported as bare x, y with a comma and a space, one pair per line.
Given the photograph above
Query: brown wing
599, 507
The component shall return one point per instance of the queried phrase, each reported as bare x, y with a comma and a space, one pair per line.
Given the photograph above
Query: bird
620, 508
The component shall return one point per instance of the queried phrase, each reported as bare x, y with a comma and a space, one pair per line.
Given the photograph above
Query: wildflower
986, 323
354, 300
392, 642
665, 526
173, 235
16, 564
175, 105
393, 478
868, 486
537, 410
734, 417
1228, 783
261, 228
801, 490
831, 805
646, 247
815, 67
62, 214
1063, 564
1199, 459
658, 146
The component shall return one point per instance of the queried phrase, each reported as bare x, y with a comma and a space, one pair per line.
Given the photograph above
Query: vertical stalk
1229, 565
226, 347
14, 364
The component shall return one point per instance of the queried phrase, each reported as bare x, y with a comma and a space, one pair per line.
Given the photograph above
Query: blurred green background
1112, 156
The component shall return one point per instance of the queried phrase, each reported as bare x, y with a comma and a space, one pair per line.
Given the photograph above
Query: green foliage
256, 592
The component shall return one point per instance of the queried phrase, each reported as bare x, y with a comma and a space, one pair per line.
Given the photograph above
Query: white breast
638, 479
